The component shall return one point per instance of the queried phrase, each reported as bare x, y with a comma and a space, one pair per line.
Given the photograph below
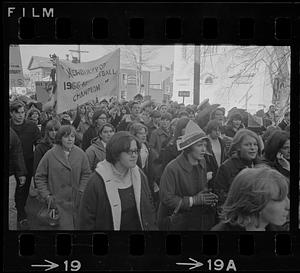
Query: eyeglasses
131, 152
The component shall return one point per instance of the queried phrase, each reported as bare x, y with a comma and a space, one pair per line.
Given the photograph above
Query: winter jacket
157, 138
230, 132
227, 172
29, 135
16, 159
39, 152
167, 154
64, 178
87, 137
276, 165
97, 211
229, 227
95, 153
151, 127
181, 180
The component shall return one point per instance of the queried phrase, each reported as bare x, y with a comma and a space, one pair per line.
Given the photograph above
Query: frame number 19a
219, 265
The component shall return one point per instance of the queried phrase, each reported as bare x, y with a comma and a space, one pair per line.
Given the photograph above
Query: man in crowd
29, 134
155, 116
17, 170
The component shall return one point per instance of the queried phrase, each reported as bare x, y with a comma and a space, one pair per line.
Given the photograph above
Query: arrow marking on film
50, 265
194, 265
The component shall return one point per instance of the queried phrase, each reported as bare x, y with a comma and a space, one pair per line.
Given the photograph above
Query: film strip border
155, 251
153, 23
156, 23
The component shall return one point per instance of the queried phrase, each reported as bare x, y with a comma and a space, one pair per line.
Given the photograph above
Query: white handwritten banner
80, 83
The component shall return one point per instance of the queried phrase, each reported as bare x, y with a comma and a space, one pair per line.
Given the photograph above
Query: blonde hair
238, 139
250, 192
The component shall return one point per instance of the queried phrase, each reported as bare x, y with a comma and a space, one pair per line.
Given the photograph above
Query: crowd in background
138, 165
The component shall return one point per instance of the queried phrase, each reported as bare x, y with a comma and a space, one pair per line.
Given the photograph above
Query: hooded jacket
101, 208
95, 153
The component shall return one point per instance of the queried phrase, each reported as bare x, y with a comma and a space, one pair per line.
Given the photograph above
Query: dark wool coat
39, 152
227, 172
276, 165
229, 131
16, 159
157, 138
96, 212
167, 154
228, 227
87, 137
66, 180
29, 135
181, 180
151, 127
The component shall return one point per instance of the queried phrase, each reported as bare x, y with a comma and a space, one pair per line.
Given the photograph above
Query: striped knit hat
193, 133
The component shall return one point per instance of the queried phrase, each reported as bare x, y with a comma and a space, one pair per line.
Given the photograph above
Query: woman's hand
209, 175
51, 202
205, 197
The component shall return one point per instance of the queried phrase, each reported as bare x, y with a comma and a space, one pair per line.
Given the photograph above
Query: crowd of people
138, 165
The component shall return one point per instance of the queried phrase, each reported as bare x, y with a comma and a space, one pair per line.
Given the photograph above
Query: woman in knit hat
183, 185
117, 196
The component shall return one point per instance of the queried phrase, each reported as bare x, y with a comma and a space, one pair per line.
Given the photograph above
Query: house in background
39, 68
161, 85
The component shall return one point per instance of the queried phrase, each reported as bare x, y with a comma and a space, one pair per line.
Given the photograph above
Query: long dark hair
274, 143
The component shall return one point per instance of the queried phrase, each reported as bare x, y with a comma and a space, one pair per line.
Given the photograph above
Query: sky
164, 56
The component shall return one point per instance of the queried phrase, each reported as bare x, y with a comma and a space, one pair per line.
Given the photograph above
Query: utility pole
140, 68
79, 52
246, 97
196, 100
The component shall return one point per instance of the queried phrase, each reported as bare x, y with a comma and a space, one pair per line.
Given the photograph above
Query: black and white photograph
149, 137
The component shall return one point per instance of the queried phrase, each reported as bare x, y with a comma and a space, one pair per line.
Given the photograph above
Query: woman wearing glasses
117, 196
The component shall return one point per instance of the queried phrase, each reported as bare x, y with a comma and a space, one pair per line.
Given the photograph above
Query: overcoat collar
60, 155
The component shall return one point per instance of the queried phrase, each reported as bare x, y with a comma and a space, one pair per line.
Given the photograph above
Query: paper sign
82, 82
